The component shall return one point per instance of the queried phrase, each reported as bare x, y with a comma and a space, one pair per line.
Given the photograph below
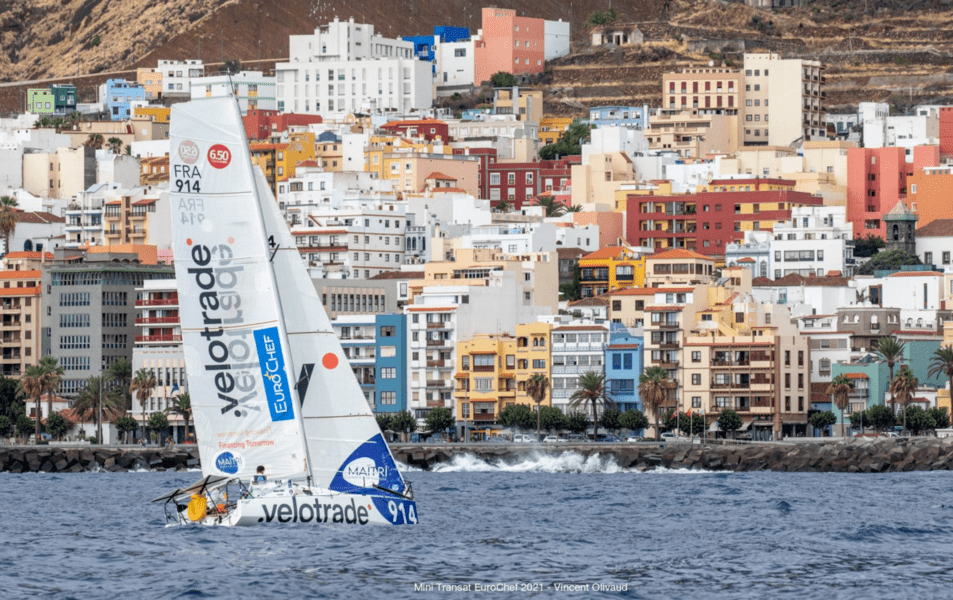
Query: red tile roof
36, 255
32, 274
854, 376
937, 228
679, 253
916, 274
38, 217
440, 176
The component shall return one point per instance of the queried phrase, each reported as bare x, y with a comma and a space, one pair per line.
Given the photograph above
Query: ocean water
518, 530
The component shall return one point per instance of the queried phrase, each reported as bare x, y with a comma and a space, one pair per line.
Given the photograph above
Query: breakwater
77, 459
859, 455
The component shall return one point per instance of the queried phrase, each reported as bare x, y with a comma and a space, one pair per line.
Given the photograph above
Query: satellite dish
711, 63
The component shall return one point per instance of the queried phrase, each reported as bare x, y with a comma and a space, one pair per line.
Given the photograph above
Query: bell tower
901, 226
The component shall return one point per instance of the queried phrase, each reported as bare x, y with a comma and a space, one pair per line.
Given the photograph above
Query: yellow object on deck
197, 506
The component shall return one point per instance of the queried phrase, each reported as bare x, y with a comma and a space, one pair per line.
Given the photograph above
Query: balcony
436, 383
667, 325
440, 364
157, 320
158, 338
437, 343
438, 325
158, 302
484, 417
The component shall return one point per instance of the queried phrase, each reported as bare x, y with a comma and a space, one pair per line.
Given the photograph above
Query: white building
454, 67
121, 169
252, 88
177, 76
881, 130
556, 40
816, 241
346, 67
577, 347
603, 140
935, 243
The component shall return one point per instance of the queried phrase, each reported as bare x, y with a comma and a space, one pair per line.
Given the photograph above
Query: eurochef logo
188, 152
219, 156
364, 472
226, 462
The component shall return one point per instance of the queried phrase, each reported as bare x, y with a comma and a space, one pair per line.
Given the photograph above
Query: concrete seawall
867, 455
861, 455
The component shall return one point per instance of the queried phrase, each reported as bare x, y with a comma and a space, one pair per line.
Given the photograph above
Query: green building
40, 101
871, 379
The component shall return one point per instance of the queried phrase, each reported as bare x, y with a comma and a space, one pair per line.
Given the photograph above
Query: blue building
619, 116
423, 46
390, 346
447, 34
118, 96
624, 360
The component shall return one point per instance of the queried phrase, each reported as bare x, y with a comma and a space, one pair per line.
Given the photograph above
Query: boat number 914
398, 509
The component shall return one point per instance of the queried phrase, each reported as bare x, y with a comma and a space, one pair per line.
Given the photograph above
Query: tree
5, 424
693, 424
941, 363
859, 419
553, 419
383, 421
503, 206
439, 419
918, 420
653, 389
52, 376
95, 41
902, 387
551, 206
11, 403
502, 79
610, 419
867, 246
536, 387
115, 144
940, 418
880, 417
569, 144
94, 141
578, 422
572, 291
158, 423
57, 425
182, 405
822, 420
728, 420
8, 220
597, 18
120, 371
518, 415
31, 386
233, 66
592, 391
890, 260
142, 385
126, 425
839, 391
24, 426
93, 400
633, 420
403, 422
890, 349
127, 150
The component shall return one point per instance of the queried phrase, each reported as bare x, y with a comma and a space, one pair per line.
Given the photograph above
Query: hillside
874, 49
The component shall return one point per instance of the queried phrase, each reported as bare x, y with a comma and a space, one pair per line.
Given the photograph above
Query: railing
157, 302
156, 320
484, 417
438, 383
437, 343
437, 325
158, 338
483, 368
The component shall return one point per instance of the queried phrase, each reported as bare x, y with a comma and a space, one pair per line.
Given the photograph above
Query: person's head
261, 470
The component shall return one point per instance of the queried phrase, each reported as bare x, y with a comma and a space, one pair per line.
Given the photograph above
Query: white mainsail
235, 344
347, 450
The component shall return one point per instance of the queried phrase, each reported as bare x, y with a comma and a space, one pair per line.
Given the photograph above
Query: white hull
299, 505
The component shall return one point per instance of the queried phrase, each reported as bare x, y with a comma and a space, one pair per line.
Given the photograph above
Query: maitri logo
226, 462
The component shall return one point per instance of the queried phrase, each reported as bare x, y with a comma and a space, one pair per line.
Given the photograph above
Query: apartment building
253, 89
508, 43
609, 269
177, 76
346, 67
623, 366
151, 82
62, 173
693, 132
20, 311
140, 216
385, 293
89, 312
576, 348
780, 113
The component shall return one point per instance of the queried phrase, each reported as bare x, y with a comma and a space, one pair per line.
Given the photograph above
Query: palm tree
182, 404
653, 389
550, 205
53, 375
891, 350
536, 387
941, 363
903, 386
121, 371
115, 144
95, 141
8, 220
143, 384
503, 206
592, 391
839, 391
574, 208
31, 386
95, 402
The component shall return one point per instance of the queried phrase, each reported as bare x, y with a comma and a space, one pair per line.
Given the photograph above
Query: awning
744, 426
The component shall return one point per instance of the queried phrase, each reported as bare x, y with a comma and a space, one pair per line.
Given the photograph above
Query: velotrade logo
364, 472
318, 512
226, 462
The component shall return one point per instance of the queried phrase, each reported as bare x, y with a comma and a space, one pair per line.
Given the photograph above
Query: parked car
553, 439
670, 436
633, 439
524, 438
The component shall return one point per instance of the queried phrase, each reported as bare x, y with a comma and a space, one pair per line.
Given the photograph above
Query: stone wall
54, 459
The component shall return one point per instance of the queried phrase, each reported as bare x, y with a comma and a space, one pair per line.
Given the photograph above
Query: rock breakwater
859, 455
77, 459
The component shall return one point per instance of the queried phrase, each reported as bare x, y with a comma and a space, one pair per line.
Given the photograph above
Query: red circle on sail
219, 156
329, 361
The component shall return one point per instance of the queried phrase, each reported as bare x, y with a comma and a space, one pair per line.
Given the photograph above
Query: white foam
544, 462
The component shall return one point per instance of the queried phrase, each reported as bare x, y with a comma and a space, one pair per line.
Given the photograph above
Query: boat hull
304, 507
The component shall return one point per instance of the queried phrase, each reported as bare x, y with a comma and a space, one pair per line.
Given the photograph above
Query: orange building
509, 43
929, 193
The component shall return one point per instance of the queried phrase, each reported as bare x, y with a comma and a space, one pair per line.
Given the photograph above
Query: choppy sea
560, 526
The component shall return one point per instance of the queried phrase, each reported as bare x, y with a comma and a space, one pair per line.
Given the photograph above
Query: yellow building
492, 372
408, 163
528, 104
943, 394
151, 81
159, 114
553, 128
285, 156
329, 155
610, 268
126, 221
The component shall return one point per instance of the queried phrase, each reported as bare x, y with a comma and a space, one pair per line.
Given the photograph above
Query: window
539, 363
696, 379
389, 373
388, 331
696, 356
389, 398
696, 401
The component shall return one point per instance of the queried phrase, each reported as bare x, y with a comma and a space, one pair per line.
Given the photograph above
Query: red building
519, 183
429, 129
877, 180
487, 157
262, 124
946, 131
706, 222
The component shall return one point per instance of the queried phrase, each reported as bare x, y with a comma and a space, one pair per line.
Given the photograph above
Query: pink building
877, 179
611, 225
509, 43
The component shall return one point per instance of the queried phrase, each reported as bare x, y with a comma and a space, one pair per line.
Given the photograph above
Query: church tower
901, 226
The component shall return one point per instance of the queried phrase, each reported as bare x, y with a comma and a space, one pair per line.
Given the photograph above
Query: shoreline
856, 455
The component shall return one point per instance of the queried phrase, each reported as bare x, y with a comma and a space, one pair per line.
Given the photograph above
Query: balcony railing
156, 320
484, 417
436, 383
158, 338
157, 302
437, 325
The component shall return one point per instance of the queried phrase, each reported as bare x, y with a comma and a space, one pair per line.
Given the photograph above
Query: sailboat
284, 432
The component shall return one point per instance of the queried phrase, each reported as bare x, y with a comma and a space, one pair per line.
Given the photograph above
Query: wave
539, 462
